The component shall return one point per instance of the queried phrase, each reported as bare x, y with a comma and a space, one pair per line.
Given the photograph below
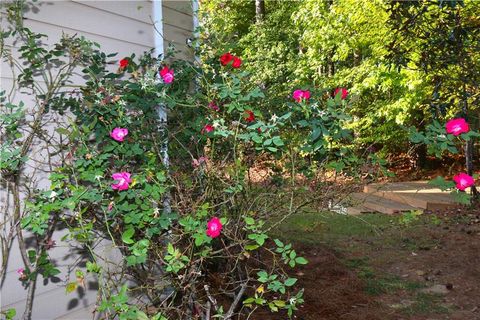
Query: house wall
178, 27
125, 27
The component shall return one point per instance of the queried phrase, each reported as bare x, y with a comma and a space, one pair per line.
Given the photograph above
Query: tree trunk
259, 10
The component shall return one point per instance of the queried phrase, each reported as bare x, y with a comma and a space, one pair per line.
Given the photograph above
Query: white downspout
195, 7
161, 109
158, 21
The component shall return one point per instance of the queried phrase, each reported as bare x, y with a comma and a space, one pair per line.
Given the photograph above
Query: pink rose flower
118, 134
208, 128
197, 163
214, 227
463, 181
457, 126
20, 272
343, 91
167, 75
299, 95
213, 106
123, 180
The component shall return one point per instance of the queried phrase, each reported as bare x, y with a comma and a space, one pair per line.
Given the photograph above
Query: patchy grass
368, 244
328, 227
338, 230
377, 284
426, 304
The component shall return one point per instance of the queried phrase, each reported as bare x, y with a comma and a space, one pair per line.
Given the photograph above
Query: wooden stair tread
356, 210
384, 205
414, 193
420, 187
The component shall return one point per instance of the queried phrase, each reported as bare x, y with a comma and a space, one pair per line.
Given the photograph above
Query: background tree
403, 62
438, 40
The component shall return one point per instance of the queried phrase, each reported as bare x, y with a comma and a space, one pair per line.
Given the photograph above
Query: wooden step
376, 203
416, 194
354, 211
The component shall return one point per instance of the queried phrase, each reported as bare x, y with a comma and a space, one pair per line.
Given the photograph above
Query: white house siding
178, 26
125, 27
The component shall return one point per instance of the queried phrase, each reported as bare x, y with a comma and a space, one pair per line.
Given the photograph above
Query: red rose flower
226, 58
123, 63
237, 62
299, 95
343, 91
249, 117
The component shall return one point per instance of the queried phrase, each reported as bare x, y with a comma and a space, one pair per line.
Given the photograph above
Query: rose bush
194, 235
449, 139
120, 186
193, 232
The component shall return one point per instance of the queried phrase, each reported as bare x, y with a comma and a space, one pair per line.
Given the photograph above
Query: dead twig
240, 293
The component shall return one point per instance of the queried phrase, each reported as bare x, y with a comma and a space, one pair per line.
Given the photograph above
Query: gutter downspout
161, 109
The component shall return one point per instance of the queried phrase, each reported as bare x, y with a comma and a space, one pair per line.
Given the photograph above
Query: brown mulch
447, 254
332, 290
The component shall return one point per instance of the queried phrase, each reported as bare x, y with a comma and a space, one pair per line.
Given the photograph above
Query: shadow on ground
386, 267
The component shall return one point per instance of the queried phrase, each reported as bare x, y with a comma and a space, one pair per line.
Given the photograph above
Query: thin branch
240, 293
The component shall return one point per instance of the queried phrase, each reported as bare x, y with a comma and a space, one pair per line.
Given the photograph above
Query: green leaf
293, 254
290, 282
170, 249
71, 286
161, 176
461, 197
301, 260
127, 236
32, 254
140, 315
277, 141
279, 243
441, 183
279, 303
63, 131
201, 238
249, 220
251, 247
10, 313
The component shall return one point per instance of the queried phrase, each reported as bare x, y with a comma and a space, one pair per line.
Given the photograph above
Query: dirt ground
382, 267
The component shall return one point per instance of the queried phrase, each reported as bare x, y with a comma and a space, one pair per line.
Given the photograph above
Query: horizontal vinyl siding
140, 11
184, 6
178, 26
179, 19
82, 18
125, 27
